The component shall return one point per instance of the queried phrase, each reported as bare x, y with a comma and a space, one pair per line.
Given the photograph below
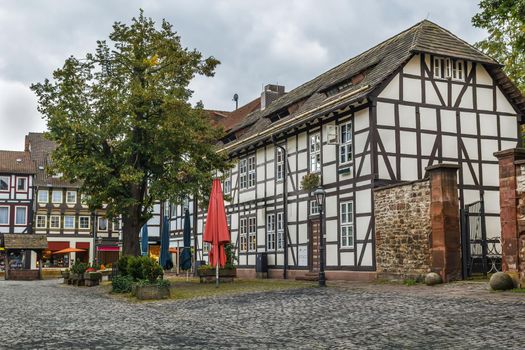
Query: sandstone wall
403, 230
520, 189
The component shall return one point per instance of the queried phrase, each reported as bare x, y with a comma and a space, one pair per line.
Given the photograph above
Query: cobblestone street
46, 314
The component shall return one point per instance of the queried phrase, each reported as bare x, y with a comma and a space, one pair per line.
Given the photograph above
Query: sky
258, 42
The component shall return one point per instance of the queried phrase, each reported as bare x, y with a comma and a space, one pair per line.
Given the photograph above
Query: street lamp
320, 194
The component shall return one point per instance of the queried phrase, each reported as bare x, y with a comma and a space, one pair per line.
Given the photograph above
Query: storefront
108, 254
154, 251
2, 259
55, 260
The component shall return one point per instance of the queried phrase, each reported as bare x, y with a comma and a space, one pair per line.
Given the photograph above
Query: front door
314, 254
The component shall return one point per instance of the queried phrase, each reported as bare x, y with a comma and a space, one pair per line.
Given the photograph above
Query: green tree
505, 22
124, 127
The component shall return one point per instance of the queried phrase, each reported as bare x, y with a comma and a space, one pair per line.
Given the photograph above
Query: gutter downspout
285, 205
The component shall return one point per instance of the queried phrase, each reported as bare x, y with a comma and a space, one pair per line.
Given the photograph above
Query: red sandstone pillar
444, 214
509, 202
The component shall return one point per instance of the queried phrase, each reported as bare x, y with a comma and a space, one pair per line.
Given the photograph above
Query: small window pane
4, 215
20, 217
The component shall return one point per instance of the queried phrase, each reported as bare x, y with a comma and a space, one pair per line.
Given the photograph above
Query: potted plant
227, 273
310, 182
77, 273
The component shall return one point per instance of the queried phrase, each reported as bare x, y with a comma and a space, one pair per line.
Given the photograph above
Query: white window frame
346, 155
252, 233
51, 221
243, 173
442, 68
227, 184
37, 221
115, 225
25, 216
346, 222
41, 192
279, 164
53, 196
67, 197
270, 232
314, 207
98, 224
279, 225
8, 215
18, 178
8, 182
314, 147
458, 70
66, 226
80, 222
252, 166
243, 234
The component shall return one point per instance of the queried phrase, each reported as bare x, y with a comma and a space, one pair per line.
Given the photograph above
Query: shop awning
24, 241
57, 245
83, 245
108, 248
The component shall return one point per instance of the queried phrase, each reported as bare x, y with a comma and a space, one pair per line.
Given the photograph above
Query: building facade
62, 215
417, 99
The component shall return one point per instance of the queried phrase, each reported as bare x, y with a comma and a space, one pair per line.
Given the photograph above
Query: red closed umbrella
216, 230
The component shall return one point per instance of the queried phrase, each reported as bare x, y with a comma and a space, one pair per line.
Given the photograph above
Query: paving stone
48, 315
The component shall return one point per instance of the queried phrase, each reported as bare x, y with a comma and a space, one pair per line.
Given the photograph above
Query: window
227, 185
83, 222
279, 166
54, 221
229, 221
247, 172
84, 198
243, 174
21, 184
206, 247
20, 215
69, 221
41, 221
4, 183
280, 231
441, 68
252, 234
345, 148
270, 232
315, 153
457, 70
347, 225
243, 230
116, 225
314, 208
102, 224
56, 197
43, 196
251, 171
71, 197
4, 215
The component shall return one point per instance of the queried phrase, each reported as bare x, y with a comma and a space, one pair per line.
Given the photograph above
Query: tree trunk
130, 232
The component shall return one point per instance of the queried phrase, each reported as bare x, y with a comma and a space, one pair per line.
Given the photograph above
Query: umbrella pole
217, 275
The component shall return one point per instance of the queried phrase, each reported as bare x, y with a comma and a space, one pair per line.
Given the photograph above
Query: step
310, 276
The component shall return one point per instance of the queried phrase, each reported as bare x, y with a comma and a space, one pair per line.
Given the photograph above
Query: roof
14, 162
378, 63
24, 241
235, 117
40, 149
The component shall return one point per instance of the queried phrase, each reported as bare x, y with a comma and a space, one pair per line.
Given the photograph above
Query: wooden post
6, 277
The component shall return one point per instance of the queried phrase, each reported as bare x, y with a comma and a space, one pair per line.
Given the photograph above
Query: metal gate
480, 254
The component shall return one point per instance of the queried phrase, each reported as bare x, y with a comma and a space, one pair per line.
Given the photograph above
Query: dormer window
458, 70
447, 68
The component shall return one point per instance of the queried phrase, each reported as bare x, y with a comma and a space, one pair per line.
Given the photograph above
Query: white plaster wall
392, 89
411, 90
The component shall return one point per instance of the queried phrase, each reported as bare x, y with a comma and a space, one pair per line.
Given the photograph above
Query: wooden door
314, 254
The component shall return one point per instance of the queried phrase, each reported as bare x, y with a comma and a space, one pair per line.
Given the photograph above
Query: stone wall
403, 230
520, 188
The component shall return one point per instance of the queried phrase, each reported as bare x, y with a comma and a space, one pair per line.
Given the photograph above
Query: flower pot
208, 275
150, 292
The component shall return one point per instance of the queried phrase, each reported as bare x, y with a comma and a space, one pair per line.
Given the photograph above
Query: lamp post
320, 194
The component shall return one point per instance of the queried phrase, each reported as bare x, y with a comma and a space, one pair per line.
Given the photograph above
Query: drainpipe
285, 205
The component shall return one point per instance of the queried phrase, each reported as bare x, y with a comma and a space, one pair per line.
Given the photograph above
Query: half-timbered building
62, 215
419, 98
17, 173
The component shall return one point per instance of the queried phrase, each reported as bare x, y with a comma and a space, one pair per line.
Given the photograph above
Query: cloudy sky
257, 41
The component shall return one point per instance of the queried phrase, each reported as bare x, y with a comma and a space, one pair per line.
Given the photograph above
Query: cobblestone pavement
45, 314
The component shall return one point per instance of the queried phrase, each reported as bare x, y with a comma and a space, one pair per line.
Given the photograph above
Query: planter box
152, 292
208, 275
77, 279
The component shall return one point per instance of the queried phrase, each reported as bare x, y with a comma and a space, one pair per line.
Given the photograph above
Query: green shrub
121, 284
123, 265
79, 267
143, 268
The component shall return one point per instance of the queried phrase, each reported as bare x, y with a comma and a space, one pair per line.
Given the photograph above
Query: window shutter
332, 134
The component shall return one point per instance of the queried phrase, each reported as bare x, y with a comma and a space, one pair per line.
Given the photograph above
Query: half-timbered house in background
419, 98
17, 173
61, 215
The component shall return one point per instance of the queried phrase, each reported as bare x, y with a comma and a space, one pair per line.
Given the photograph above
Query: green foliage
505, 22
123, 265
409, 282
143, 268
229, 249
79, 267
310, 182
121, 284
124, 126
160, 283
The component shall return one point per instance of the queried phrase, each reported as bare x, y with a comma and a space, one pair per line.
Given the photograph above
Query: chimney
271, 93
